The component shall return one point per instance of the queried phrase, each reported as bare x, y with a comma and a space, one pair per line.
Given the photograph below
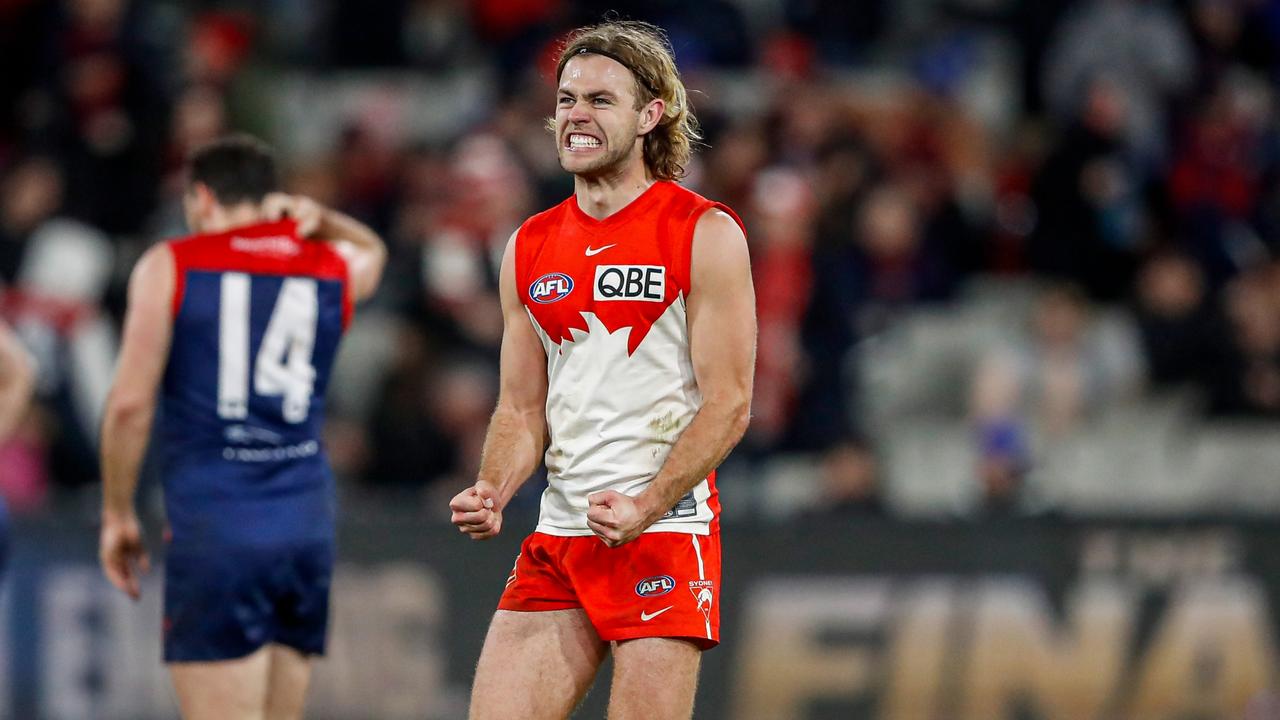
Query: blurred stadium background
1015, 450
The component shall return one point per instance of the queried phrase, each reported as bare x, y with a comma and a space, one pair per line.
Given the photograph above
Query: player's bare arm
360, 246
17, 379
517, 432
722, 336
126, 425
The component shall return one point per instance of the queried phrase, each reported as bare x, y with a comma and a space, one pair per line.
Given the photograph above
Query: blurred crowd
1119, 157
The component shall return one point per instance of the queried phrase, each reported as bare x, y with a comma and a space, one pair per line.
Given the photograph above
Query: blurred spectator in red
219, 42
1014, 211
516, 29
781, 238
1217, 175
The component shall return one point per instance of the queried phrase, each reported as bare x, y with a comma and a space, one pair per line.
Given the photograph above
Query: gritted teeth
578, 140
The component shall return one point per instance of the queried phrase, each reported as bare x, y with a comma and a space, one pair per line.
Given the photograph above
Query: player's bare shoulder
153, 275
718, 225
719, 254
156, 260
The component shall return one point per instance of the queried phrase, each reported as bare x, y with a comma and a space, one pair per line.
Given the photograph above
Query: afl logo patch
550, 288
655, 586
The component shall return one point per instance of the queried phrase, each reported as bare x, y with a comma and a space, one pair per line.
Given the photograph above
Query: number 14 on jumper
283, 366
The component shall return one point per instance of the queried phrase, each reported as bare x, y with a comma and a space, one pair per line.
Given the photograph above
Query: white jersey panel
614, 417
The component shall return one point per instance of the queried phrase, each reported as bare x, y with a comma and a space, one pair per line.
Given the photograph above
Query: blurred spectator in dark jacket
1233, 33
1246, 376
891, 265
1089, 199
732, 163
30, 193
108, 110
409, 447
850, 480
1178, 329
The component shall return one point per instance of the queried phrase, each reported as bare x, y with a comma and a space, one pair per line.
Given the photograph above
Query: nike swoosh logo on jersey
595, 251
646, 617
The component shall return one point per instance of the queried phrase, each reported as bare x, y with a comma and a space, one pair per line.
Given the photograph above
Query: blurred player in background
629, 342
17, 379
231, 333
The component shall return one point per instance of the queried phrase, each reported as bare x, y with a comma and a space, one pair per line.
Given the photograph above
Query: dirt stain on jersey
555, 460
664, 426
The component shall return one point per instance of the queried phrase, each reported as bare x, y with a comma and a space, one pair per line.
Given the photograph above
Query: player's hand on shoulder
615, 517
123, 556
477, 511
306, 212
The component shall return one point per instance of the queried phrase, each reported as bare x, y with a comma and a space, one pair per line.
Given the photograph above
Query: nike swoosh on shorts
646, 617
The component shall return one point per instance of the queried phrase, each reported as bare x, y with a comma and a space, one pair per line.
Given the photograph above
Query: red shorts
662, 584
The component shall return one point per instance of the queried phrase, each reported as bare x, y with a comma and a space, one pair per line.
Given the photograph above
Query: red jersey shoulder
683, 205
264, 249
548, 219
268, 248
530, 238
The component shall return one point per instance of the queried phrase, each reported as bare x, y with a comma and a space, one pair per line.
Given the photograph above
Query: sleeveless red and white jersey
607, 298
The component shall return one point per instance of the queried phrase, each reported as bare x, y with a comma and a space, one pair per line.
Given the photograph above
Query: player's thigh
287, 681
223, 689
535, 665
654, 679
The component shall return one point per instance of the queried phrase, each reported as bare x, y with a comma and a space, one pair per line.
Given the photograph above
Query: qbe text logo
644, 283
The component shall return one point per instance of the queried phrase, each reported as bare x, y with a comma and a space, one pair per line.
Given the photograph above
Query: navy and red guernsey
257, 316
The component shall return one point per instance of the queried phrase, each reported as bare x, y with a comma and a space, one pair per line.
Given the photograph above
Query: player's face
598, 128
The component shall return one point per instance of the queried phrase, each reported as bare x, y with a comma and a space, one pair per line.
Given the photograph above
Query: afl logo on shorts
655, 586
550, 288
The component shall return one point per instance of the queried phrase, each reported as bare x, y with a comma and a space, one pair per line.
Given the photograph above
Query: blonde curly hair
645, 51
